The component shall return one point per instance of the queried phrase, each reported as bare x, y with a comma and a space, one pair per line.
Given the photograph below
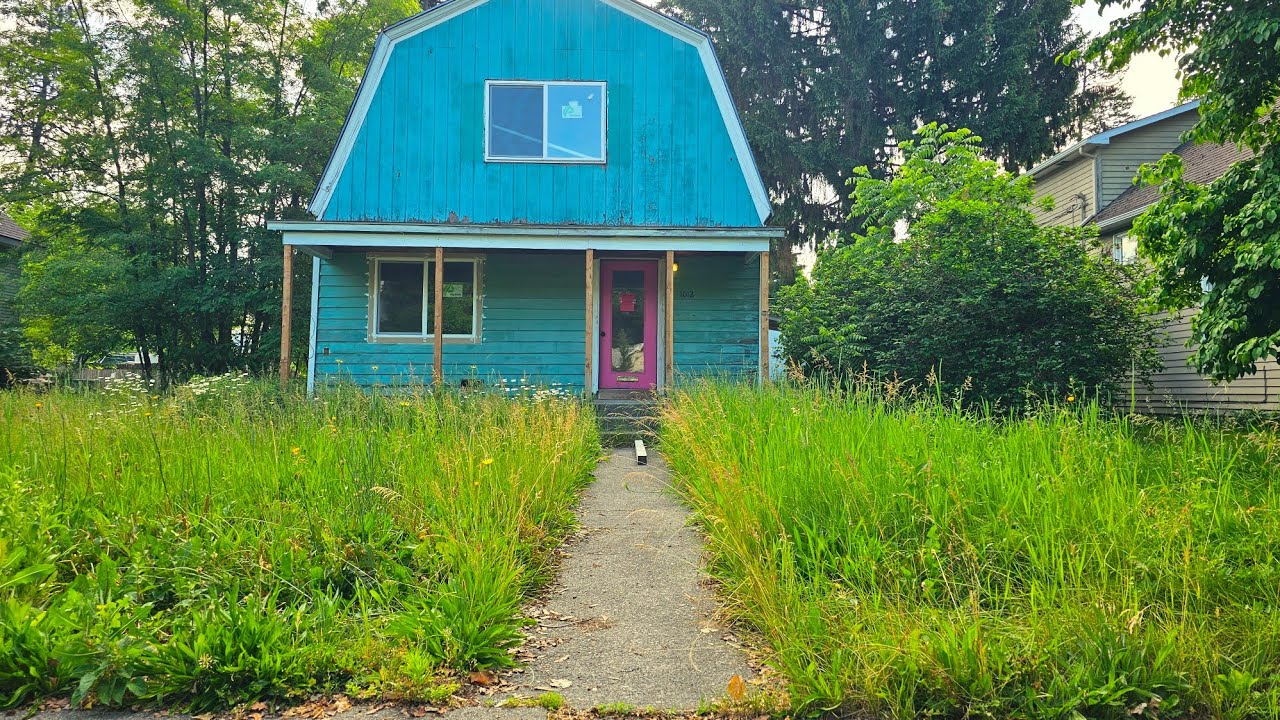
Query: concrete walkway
631, 619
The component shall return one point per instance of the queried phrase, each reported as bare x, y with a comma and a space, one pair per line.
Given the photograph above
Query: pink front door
629, 324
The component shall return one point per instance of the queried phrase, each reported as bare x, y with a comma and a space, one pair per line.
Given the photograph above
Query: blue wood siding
717, 315
419, 156
533, 320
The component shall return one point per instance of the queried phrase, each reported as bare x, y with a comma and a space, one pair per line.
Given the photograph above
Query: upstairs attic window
558, 122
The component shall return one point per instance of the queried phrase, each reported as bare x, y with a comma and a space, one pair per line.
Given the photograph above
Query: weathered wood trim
669, 325
286, 315
590, 324
437, 350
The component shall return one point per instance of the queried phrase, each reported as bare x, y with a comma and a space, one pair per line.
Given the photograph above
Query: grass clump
907, 559
231, 542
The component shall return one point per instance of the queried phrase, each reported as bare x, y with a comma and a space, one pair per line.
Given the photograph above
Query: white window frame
375, 300
544, 85
1117, 250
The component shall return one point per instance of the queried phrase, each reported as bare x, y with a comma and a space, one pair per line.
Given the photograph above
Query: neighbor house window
404, 290
545, 121
1124, 249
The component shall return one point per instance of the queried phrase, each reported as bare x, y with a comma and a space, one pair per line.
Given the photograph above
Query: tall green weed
902, 557
230, 542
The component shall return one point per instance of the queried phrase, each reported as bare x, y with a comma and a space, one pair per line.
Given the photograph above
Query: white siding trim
387, 41
578, 231
315, 316
393, 240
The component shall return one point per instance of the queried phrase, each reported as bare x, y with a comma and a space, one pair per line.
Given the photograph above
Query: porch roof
320, 238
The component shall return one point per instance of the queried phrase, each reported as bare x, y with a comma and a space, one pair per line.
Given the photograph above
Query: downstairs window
403, 292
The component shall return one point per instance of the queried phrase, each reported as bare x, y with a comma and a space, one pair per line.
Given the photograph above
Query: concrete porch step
623, 419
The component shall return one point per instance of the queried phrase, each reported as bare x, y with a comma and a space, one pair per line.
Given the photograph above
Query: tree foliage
150, 142
1216, 244
953, 278
824, 87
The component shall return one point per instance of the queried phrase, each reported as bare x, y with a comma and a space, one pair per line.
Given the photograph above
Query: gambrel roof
403, 31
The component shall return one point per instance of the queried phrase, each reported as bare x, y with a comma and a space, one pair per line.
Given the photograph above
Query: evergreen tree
826, 87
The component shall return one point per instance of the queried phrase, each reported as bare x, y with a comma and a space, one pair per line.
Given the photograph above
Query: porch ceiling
320, 238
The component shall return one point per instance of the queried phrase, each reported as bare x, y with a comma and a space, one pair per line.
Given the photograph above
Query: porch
578, 310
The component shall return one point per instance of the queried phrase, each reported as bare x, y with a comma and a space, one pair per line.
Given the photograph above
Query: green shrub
954, 280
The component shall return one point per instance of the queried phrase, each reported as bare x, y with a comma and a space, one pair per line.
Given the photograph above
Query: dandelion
405, 403
39, 406
296, 451
1071, 398
487, 461
146, 414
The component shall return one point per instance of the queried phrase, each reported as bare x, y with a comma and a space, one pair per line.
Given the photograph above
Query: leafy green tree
152, 141
1216, 245
824, 87
953, 278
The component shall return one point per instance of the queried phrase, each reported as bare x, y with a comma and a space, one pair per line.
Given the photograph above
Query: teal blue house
558, 192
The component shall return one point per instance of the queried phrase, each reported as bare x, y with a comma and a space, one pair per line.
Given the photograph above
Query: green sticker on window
571, 111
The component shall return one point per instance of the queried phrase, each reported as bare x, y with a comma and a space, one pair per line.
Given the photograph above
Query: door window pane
400, 297
575, 120
515, 121
628, 321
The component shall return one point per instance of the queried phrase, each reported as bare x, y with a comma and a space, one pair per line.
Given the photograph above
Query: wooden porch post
590, 335
437, 353
764, 317
286, 315
669, 359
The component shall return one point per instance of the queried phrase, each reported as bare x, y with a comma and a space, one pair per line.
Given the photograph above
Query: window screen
515, 121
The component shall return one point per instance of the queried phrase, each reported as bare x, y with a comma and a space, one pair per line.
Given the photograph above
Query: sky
1150, 80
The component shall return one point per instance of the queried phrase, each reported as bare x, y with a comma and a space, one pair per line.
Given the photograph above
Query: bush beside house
953, 279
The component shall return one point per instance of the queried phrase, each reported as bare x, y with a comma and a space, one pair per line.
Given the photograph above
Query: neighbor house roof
10, 233
1201, 163
1105, 138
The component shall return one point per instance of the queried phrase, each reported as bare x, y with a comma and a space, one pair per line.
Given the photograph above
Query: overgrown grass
229, 542
906, 559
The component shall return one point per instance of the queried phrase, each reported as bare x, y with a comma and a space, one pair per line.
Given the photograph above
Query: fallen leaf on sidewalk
560, 683
737, 688
483, 677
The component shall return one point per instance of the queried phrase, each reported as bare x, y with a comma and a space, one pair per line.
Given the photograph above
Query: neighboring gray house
1092, 183
11, 236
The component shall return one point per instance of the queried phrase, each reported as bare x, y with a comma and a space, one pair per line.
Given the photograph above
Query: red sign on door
627, 302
